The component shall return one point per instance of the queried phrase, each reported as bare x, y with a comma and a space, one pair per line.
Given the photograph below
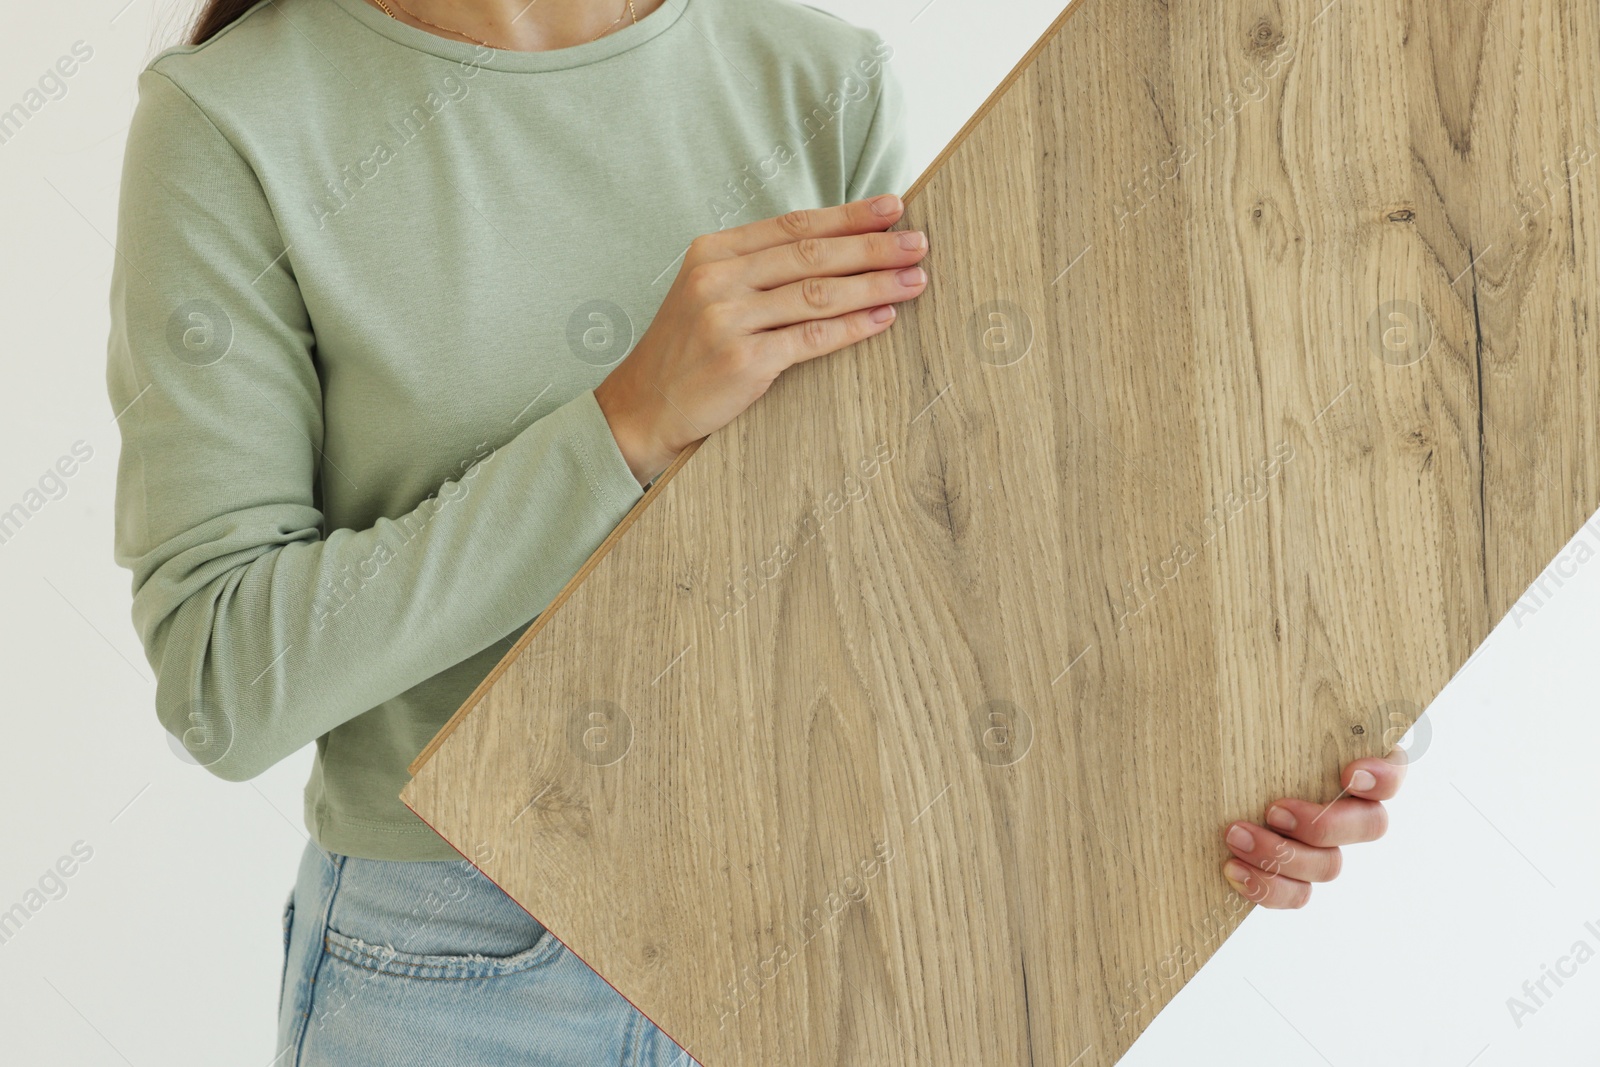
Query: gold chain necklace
486, 44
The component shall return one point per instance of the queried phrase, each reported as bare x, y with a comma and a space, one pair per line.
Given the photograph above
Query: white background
165, 947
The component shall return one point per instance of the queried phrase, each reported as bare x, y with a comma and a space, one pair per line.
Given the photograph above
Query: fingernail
912, 240
1241, 839
887, 204
912, 276
881, 314
1280, 818
1237, 874
1361, 781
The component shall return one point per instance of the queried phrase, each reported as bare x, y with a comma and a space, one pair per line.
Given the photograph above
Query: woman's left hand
1274, 865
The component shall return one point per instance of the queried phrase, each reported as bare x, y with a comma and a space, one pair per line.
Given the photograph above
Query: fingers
1373, 778
1268, 890
1275, 854
820, 298
1277, 869
819, 257
858, 216
1346, 821
818, 337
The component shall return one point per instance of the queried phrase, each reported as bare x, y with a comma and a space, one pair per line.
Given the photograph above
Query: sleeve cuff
604, 466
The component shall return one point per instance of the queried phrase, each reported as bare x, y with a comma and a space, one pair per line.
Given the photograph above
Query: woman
377, 352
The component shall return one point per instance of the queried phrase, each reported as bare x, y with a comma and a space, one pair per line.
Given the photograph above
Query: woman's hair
214, 15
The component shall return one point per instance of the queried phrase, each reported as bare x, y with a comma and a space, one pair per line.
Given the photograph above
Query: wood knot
939, 489
1402, 214
1264, 36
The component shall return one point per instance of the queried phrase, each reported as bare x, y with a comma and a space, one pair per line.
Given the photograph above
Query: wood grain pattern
1254, 383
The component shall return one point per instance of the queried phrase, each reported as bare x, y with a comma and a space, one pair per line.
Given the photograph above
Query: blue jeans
404, 964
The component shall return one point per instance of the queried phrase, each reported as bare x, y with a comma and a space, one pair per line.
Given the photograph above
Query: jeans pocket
385, 959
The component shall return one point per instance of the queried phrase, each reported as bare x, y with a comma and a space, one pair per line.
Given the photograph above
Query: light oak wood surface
1255, 382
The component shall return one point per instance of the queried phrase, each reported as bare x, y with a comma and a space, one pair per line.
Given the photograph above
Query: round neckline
509, 59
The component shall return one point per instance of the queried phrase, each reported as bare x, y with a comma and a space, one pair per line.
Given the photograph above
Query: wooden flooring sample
1256, 380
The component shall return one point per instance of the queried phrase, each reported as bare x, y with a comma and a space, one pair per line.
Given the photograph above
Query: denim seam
357, 953
304, 1024
630, 1042
288, 934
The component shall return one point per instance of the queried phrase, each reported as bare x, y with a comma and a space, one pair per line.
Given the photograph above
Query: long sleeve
265, 629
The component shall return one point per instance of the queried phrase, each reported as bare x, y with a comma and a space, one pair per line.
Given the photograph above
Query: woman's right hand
748, 303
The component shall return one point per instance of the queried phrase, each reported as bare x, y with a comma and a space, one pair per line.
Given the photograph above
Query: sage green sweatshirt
366, 281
